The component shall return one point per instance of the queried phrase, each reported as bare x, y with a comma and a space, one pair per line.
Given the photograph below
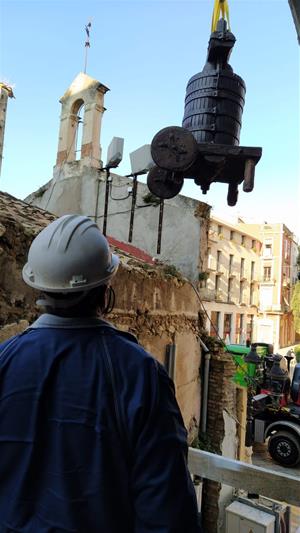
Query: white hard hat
69, 255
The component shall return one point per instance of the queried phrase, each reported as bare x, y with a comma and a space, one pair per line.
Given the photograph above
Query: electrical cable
122, 185
117, 199
249, 378
207, 315
123, 212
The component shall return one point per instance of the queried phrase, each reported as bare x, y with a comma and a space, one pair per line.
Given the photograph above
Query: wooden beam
255, 479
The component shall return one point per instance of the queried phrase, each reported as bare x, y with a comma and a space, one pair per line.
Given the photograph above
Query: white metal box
241, 518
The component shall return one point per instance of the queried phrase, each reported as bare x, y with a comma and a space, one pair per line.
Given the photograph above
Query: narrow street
262, 458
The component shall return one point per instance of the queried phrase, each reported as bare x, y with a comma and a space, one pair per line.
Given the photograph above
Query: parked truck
274, 400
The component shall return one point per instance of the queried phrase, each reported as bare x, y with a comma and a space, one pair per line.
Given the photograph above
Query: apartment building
230, 288
277, 275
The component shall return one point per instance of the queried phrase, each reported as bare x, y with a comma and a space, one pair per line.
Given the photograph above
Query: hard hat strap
64, 303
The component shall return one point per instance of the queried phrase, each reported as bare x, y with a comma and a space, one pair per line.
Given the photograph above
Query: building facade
277, 276
247, 288
230, 286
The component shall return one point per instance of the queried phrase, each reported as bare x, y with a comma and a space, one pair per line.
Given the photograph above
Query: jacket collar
53, 321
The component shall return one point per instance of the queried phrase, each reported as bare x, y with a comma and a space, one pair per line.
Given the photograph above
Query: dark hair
93, 304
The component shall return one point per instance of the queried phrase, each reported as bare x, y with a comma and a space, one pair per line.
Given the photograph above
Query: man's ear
110, 299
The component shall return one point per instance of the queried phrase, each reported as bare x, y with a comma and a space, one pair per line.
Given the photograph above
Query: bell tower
82, 104
75, 183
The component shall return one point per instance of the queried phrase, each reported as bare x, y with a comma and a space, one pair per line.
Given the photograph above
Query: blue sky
145, 52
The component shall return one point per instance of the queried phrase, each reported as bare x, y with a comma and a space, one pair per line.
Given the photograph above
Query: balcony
267, 281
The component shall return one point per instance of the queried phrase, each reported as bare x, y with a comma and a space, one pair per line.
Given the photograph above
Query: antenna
87, 43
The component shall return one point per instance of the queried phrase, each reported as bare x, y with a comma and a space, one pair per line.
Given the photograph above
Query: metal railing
282, 487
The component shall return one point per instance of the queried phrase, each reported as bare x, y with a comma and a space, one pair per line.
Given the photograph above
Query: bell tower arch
83, 102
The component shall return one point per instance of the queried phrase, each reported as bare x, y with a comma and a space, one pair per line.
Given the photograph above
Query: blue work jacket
91, 436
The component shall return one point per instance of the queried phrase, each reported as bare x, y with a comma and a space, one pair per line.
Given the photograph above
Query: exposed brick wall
221, 397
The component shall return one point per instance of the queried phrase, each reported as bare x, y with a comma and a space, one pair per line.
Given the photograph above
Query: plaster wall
76, 187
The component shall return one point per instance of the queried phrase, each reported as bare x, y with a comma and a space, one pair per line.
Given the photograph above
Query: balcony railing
244, 476
269, 280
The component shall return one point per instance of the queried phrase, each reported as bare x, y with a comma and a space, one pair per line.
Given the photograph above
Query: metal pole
85, 59
205, 392
134, 193
160, 222
106, 201
97, 201
170, 360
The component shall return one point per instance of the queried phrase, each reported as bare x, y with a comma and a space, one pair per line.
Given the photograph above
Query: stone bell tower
83, 101
75, 183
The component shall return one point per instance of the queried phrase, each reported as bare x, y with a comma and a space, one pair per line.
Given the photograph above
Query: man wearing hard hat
91, 436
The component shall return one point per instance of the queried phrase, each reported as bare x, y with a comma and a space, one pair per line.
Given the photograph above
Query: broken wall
222, 435
76, 188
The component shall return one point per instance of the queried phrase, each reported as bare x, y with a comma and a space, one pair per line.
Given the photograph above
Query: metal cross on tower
87, 43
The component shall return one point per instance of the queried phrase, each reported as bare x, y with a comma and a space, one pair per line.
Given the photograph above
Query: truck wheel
284, 448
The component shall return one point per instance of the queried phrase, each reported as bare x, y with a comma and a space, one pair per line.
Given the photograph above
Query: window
217, 283
231, 235
241, 291
249, 329
214, 323
253, 243
251, 293
266, 297
243, 240
242, 267
252, 270
209, 259
239, 329
77, 110
227, 327
268, 249
219, 260
287, 249
229, 297
267, 273
230, 264
220, 230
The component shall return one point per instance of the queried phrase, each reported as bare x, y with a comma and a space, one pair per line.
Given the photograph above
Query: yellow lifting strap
220, 6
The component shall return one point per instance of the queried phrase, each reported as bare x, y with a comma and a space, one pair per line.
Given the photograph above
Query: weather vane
87, 43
